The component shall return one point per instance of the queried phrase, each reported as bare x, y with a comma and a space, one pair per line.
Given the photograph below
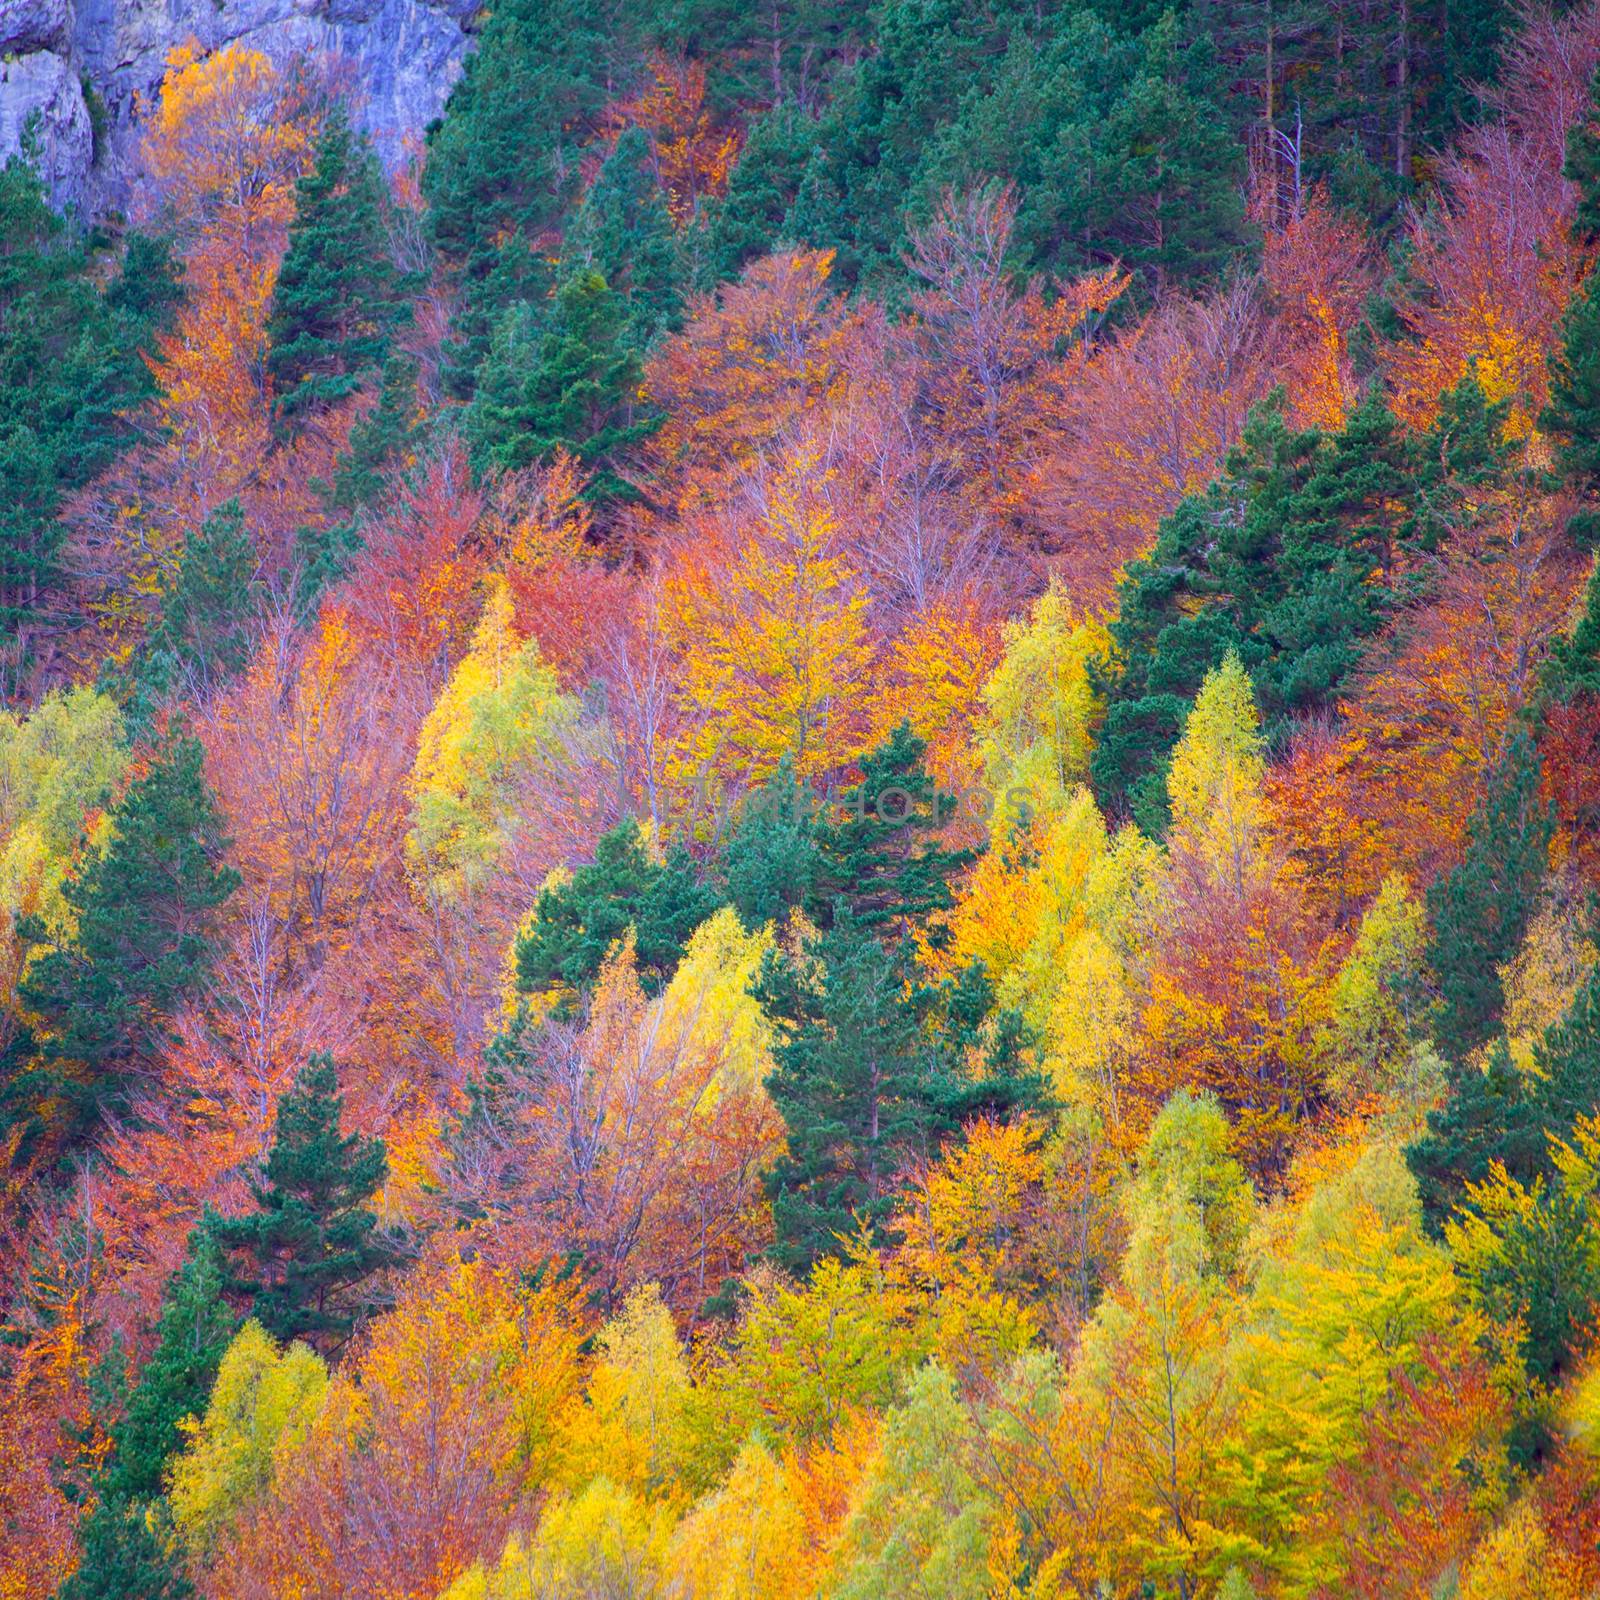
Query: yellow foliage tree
708, 1005
604, 1541
1518, 1560
1041, 709
1215, 781
747, 1539
637, 1394
57, 768
773, 644
264, 1400
499, 719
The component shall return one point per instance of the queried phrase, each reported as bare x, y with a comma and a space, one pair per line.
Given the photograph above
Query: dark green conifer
1290, 560
122, 1557
1573, 415
853, 1079
339, 296
881, 856
1479, 910
748, 220
567, 379
772, 859
503, 166
378, 443
575, 925
145, 910
623, 231
206, 626
193, 1334
311, 1246
873, 1068
70, 371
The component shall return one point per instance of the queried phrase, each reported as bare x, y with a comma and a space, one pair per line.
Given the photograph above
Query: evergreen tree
310, 1244
123, 1558
868, 146
70, 370
1545, 1274
1165, 188
1479, 911
338, 296
853, 1079
772, 857
1289, 561
204, 632
503, 165
378, 441
747, 221
571, 383
1573, 666
1573, 415
145, 909
881, 857
1507, 1115
194, 1331
873, 1067
623, 231
574, 925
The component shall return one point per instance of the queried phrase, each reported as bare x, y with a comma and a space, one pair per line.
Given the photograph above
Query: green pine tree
70, 372
1165, 187
1573, 416
575, 925
146, 910
205, 629
378, 443
623, 231
194, 1331
881, 857
869, 144
873, 1068
503, 167
338, 296
854, 1081
1289, 560
772, 859
1479, 910
748, 220
311, 1245
123, 1557
567, 381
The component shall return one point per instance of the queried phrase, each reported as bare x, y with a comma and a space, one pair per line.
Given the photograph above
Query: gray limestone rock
30, 25
400, 58
42, 107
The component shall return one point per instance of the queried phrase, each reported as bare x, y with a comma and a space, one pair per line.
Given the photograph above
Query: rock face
74, 74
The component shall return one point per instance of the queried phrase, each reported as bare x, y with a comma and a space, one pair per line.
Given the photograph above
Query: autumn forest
815, 813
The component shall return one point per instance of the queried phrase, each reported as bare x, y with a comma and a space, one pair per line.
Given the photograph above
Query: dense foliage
820, 818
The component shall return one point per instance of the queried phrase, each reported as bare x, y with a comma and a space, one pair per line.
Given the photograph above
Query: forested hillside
817, 817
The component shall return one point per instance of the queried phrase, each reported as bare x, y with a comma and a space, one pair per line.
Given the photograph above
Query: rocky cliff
76, 71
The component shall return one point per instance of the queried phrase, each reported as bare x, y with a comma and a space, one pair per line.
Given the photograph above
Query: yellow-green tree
1374, 1007
637, 1394
264, 1398
708, 1005
1215, 780
500, 720
747, 1539
56, 767
602, 1542
1349, 1300
921, 1523
1041, 709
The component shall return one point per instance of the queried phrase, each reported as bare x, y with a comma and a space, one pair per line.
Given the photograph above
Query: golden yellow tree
773, 644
